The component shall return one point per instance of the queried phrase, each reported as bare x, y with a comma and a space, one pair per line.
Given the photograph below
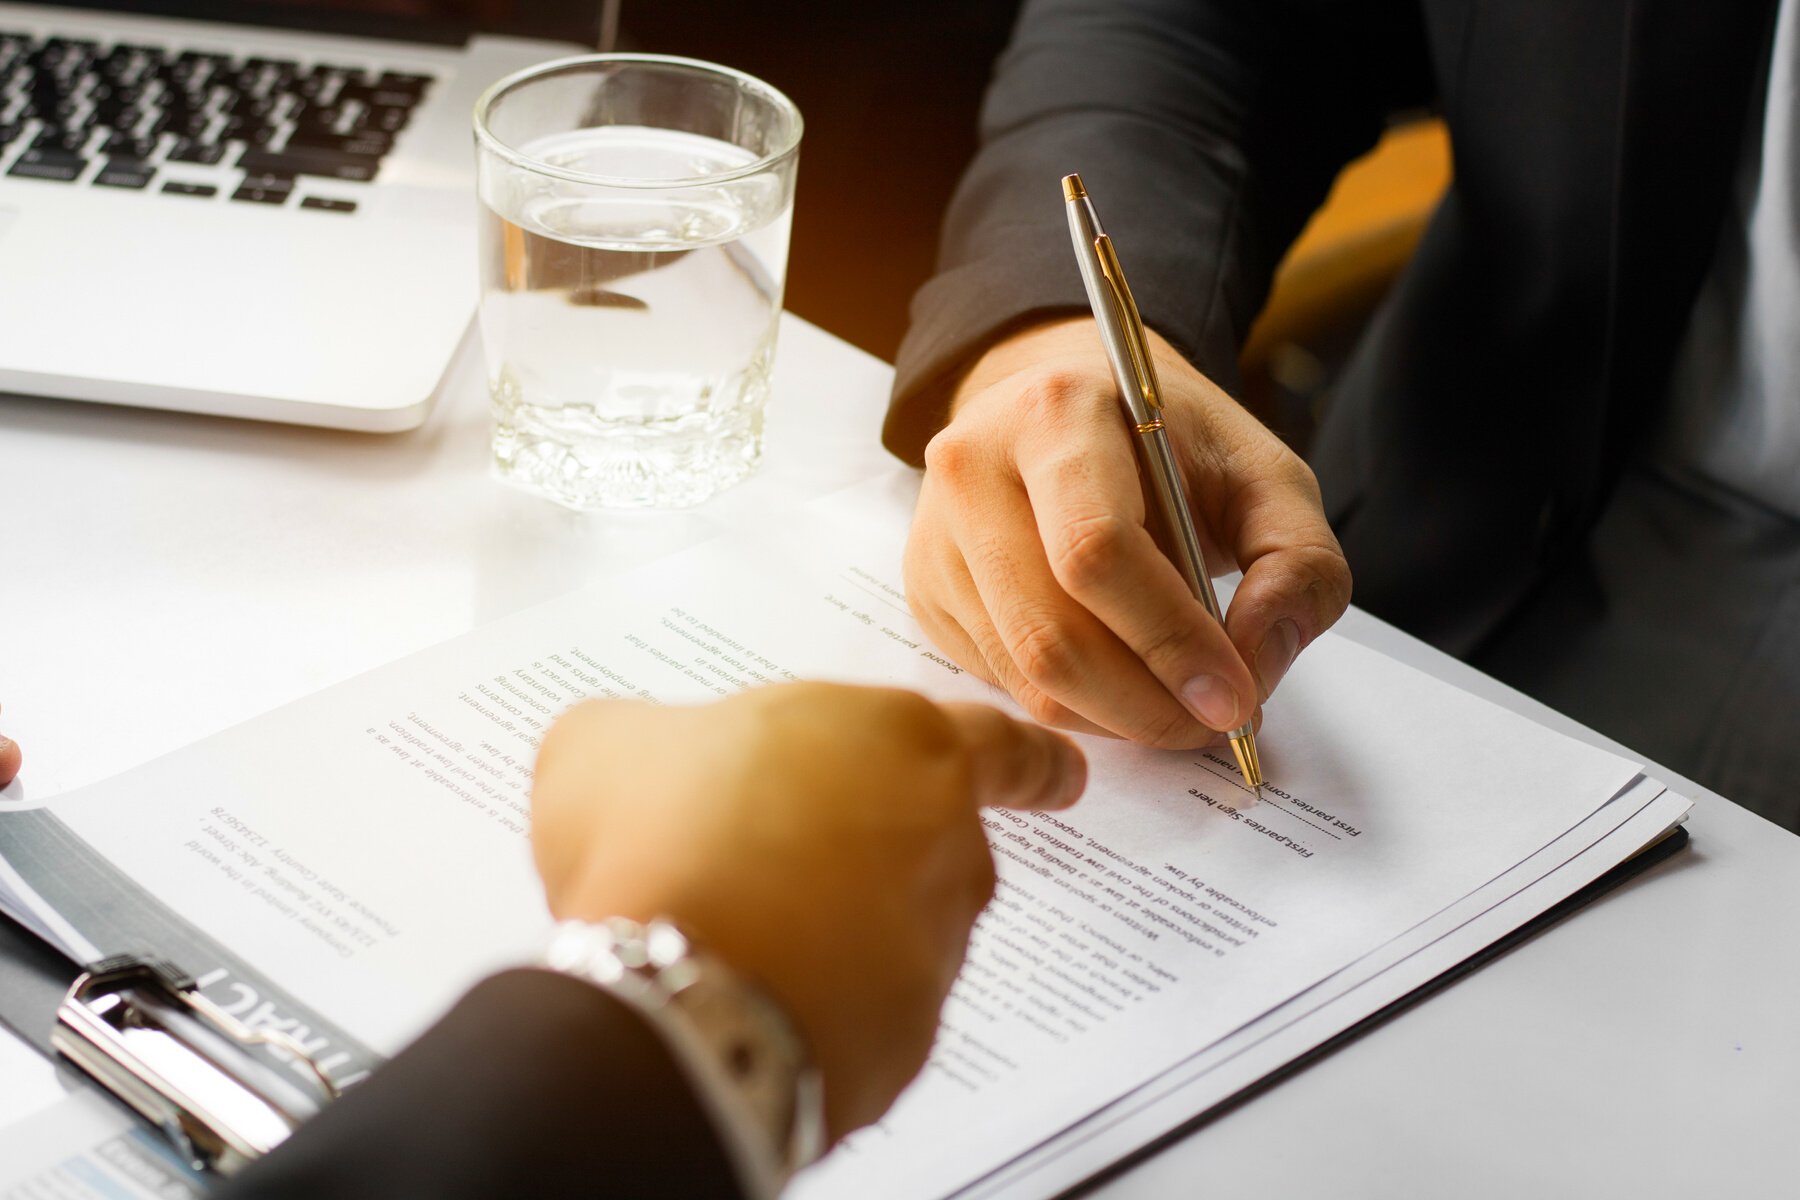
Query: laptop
259, 210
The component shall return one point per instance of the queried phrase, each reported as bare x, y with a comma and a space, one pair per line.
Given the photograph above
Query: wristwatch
736, 1044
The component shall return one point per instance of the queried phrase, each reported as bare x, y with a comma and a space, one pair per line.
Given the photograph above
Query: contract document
344, 867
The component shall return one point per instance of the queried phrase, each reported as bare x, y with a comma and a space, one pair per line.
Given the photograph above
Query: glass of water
633, 251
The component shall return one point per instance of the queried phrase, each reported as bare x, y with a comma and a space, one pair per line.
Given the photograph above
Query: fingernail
1276, 655
1212, 700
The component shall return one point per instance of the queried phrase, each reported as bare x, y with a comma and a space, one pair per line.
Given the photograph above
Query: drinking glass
634, 241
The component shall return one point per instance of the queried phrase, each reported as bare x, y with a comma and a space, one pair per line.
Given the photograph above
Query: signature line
1290, 812
851, 580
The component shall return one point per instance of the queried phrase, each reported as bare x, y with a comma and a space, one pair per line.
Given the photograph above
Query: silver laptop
273, 220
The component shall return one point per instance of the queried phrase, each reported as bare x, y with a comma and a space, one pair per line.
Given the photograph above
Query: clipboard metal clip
142, 1029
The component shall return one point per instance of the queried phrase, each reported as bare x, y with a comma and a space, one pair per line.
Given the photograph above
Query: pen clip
1130, 322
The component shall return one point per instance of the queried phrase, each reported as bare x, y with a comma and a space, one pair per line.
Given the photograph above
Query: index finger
1017, 764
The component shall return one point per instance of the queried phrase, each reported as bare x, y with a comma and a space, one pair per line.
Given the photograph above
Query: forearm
1207, 129
535, 1084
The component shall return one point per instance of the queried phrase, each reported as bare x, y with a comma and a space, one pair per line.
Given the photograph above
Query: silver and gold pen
1122, 331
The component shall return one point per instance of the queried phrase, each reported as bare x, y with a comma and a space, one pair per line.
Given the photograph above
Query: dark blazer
1488, 410
535, 1085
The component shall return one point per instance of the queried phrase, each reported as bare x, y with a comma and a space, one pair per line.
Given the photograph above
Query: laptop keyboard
133, 117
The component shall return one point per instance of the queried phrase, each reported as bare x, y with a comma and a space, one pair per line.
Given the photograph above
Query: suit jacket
535, 1085
1487, 412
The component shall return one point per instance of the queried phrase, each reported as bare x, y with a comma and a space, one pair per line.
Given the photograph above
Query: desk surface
168, 576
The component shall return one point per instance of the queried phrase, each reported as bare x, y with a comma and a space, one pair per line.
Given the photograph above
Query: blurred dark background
890, 95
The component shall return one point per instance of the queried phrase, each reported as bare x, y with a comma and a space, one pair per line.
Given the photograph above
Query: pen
1122, 331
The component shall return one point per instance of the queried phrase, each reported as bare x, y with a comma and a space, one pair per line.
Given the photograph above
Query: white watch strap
648, 966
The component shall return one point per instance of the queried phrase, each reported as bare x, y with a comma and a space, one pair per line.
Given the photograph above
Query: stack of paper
344, 867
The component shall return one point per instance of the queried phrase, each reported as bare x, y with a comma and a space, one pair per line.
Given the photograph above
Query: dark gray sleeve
1206, 130
536, 1085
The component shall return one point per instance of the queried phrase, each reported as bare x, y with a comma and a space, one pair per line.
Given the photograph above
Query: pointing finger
1018, 764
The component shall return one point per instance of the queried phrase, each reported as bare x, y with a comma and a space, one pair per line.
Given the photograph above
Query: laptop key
362, 93
364, 143
125, 173
191, 150
268, 74
125, 145
325, 163
187, 74
265, 188
400, 81
128, 96
328, 204
316, 120
246, 129
41, 104
112, 113
193, 125
176, 187
125, 52
251, 135
202, 57
60, 141
388, 98
57, 165
385, 120
65, 53
258, 107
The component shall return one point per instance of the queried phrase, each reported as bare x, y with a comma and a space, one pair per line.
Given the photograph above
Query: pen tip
1072, 189
1249, 762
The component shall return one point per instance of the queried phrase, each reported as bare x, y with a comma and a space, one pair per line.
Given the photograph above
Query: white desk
166, 576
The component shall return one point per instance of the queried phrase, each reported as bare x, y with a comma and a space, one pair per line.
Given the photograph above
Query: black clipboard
1665, 847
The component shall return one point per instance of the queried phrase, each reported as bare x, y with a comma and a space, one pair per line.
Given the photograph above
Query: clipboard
142, 1030
1663, 848
126, 1020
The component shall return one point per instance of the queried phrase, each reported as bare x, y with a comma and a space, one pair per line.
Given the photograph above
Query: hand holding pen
1031, 563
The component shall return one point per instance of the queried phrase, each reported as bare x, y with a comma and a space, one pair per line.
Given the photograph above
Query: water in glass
629, 333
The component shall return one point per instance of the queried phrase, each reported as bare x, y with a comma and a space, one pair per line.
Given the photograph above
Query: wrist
1062, 338
735, 1043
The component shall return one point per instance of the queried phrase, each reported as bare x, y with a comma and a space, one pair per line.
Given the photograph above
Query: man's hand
823, 839
1030, 564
